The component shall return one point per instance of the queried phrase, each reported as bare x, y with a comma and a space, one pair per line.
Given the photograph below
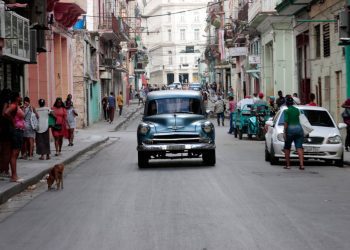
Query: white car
324, 142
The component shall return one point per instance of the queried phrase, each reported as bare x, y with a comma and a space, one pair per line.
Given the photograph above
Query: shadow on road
176, 165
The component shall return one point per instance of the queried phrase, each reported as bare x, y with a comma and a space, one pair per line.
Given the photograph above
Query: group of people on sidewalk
109, 106
24, 127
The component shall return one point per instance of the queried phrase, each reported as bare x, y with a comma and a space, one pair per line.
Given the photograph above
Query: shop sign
238, 51
254, 59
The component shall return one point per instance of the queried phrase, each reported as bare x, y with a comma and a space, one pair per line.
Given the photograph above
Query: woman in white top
42, 134
71, 114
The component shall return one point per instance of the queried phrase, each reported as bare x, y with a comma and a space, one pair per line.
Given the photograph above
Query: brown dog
56, 175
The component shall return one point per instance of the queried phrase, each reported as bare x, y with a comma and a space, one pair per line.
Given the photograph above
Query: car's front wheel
143, 159
340, 163
273, 160
267, 154
209, 157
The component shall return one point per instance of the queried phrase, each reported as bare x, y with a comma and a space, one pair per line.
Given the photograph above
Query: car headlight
334, 140
144, 129
280, 137
207, 127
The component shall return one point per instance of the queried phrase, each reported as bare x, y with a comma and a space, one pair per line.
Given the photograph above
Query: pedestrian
231, 106
215, 87
42, 137
296, 99
68, 99
346, 119
111, 107
120, 102
16, 115
139, 96
205, 100
60, 128
280, 100
71, 114
260, 100
5, 133
29, 130
105, 107
312, 100
219, 109
293, 132
272, 106
255, 97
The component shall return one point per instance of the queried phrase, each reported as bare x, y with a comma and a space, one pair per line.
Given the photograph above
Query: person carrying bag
346, 119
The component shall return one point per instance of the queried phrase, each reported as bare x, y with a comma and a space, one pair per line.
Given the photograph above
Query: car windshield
174, 105
319, 118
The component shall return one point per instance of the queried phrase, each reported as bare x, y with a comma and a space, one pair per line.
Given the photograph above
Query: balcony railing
117, 26
15, 30
261, 6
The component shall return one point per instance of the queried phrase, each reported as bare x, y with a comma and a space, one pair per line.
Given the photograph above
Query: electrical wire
160, 15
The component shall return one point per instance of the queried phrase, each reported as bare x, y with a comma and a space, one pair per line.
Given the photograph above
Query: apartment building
175, 37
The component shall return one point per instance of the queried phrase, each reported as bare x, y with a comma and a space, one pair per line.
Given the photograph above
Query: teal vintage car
174, 127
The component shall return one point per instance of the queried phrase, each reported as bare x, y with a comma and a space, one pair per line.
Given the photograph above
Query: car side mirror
342, 125
269, 123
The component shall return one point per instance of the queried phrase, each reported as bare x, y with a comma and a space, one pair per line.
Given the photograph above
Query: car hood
319, 131
174, 122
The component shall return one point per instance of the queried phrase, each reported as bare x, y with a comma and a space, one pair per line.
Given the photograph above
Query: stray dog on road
56, 175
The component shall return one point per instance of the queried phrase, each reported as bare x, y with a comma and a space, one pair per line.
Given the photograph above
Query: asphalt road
241, 203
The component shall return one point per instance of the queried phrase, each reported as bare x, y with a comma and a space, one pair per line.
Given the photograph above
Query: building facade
175, 40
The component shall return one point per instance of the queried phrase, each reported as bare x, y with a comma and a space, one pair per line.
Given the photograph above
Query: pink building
52, 76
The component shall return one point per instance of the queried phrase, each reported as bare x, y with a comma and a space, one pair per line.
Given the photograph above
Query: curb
20, 187
122, 123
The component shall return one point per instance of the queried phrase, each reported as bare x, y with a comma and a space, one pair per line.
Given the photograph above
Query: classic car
174, 127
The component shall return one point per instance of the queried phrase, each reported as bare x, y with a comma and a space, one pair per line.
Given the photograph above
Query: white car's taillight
334, 140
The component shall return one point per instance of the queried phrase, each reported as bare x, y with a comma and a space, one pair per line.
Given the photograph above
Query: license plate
175, 147
311, 149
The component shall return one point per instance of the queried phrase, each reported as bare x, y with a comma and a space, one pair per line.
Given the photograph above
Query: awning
254, 72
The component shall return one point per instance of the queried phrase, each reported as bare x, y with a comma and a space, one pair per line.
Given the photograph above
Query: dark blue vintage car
174, 127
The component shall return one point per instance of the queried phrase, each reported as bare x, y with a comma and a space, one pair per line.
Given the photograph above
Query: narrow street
241, 203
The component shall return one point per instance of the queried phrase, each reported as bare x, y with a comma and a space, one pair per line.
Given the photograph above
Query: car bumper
313, 151
175, 147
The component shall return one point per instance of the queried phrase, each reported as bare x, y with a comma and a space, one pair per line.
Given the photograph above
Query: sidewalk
85, 140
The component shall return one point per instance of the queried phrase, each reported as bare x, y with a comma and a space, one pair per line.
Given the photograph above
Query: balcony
15, 31
259, 10
113, 28
291, 7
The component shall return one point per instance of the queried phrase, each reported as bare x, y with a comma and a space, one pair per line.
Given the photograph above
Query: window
169, 35
326, 41
196, 34
169, 17
182, 34
182, 18
196, 17
174, 105
336, 24
170, 58
317, 41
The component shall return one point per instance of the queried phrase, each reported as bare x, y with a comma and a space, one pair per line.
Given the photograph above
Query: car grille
313, 140
176, 138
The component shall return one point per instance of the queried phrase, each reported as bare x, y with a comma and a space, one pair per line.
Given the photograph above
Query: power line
159, 15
